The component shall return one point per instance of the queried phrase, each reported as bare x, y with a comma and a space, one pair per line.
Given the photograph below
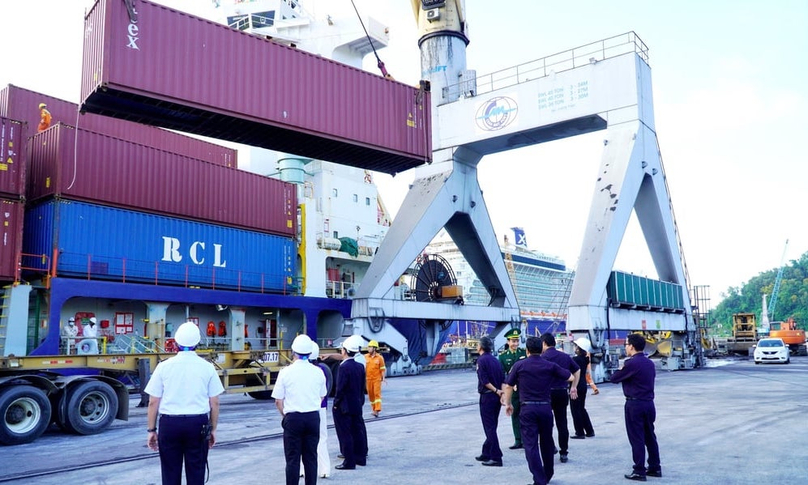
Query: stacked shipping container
100, 242
22, 105
12, 189
75, 163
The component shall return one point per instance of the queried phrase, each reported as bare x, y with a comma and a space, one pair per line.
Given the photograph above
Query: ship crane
544, 100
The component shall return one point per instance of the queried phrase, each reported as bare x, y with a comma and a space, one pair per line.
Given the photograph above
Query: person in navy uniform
298, 393
349, 398
489, 384
560, 391
534, 376
637, 376
184, 390
508, 358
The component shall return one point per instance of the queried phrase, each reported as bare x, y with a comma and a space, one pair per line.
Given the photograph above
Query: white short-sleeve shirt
184, 383
301, 386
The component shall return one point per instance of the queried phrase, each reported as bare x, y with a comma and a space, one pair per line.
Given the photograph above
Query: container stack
12, 190
118, 201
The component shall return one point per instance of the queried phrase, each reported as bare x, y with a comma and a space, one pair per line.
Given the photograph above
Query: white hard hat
302, 345
187, 335
584, 344
353, 343
93, 320
315, 351
71, 322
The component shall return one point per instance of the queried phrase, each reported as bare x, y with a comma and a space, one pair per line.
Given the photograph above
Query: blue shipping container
100, 242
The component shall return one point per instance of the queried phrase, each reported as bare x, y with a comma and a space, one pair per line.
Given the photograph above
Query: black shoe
480, 458
636, 476
655, 473
492, 463
516, 446
555, 450
341, 456
564, 458
363, 463
591, 435
342, 466
578, 437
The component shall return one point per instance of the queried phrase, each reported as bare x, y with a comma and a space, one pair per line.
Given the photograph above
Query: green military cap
513, 333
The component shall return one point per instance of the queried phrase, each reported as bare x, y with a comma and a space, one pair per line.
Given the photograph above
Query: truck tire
91, 407
260, 395
26, 413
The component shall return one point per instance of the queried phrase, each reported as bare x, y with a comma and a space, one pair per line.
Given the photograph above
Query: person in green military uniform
507, 359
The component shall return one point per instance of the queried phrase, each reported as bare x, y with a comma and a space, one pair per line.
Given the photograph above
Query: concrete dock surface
732, 422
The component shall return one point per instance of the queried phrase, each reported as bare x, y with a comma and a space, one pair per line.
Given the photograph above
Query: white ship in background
542, 283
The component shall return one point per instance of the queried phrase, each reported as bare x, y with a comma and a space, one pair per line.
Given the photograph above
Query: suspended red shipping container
12, 158
22, 104
80, 164
159, 66
12, 217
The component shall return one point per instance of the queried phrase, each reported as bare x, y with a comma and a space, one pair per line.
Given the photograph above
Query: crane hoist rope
379, 62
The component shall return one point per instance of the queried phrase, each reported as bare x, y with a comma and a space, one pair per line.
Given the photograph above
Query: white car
772, 350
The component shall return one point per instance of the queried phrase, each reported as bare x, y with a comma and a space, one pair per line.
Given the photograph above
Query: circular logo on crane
496, 113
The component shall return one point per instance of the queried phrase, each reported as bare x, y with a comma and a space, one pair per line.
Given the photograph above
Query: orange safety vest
44, 121
374, 367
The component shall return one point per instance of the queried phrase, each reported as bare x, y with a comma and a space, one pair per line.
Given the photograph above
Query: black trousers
640, 417
560, 399
537, 438
181, 439
489, 415
352, 436
301, 434
580, 418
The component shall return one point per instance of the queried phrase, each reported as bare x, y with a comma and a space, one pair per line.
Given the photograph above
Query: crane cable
379, 62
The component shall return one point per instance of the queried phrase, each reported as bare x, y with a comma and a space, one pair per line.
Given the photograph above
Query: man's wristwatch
152, 430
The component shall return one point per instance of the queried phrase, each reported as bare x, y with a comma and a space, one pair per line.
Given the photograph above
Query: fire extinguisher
211, 329
222, 329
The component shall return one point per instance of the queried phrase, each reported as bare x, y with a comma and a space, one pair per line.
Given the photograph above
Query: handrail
562, 61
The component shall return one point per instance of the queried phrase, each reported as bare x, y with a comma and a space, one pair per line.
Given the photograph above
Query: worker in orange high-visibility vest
44, 118
375, 372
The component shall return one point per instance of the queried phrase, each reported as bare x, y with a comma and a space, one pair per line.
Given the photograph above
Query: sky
729, 88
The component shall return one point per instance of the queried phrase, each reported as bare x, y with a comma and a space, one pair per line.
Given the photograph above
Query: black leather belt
636, 399
183, 415
538, 403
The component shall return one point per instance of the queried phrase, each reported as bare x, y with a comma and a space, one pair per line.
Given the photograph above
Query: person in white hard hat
580, 418
349, 398
298, 394
323, 458
90, 332
184, 391
71, 331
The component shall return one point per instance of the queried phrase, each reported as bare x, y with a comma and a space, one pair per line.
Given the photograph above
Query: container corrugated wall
12, 159
11, 218
98, 242
170, 69
22, 104
80, 164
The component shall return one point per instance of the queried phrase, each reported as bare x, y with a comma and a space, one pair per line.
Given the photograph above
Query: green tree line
792, 299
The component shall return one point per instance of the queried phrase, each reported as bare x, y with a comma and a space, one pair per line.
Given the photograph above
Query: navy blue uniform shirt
562, 360
534, 376
637, 376
489, 370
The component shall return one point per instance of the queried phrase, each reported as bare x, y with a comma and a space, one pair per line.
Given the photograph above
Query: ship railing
591, 53
340, 289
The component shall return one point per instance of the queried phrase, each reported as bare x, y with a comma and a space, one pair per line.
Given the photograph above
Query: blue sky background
729, 80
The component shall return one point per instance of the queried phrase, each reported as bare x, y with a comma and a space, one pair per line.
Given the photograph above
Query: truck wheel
91, 407
26, 413
260, 395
